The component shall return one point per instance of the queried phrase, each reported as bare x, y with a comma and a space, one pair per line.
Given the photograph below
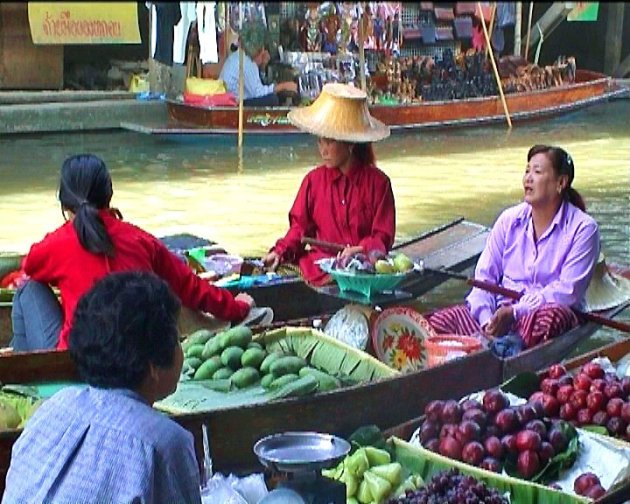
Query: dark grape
451, 486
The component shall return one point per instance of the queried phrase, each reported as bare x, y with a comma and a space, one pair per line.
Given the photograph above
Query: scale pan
301, 451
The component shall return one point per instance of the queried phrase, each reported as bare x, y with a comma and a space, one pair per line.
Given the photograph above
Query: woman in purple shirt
545, 247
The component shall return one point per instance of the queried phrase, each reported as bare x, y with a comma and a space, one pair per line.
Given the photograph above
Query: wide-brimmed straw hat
606, 289
341, 113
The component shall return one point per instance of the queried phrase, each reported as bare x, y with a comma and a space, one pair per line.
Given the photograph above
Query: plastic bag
204, 87
139, 84
233, 490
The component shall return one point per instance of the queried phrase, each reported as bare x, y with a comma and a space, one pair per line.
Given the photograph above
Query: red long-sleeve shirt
61, 261
353, 209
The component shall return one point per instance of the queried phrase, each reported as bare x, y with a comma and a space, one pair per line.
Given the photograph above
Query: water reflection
204, 187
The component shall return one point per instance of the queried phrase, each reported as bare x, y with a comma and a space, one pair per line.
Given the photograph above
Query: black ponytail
84, 189
563, 165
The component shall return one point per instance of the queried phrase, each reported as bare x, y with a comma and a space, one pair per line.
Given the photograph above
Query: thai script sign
84, 22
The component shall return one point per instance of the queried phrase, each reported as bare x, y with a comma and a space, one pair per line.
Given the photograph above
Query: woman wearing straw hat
346, 200
545, 247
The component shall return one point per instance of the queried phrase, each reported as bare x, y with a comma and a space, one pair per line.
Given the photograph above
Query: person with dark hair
346, 200
546, 247
104, 442
94, 242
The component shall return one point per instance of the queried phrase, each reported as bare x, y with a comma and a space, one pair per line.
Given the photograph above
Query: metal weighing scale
301, 456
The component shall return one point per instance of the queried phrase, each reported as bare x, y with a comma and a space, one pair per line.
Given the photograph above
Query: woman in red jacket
346, 200
94, 242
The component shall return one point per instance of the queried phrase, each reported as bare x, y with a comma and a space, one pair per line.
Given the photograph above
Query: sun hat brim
340, 112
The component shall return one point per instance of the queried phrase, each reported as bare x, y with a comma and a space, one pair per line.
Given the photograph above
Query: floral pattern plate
398, 338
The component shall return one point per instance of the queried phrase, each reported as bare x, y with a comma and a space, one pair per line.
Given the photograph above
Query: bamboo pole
494, 67
517, 29
362, 50
529, 28
493, 11
241, 83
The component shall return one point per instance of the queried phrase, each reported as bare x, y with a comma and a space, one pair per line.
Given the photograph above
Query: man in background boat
94, 242
255, 58
347, 200
545, 247
104, 442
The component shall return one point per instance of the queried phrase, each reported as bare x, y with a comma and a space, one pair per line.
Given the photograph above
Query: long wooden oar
335, 247
512, 294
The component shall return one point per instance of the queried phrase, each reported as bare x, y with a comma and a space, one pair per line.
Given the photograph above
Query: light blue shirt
252, 84
86, 444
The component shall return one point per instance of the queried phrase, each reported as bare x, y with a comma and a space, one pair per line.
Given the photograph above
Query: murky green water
201, 187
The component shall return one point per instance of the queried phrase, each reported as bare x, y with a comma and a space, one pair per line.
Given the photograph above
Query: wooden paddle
512, 294
336, 247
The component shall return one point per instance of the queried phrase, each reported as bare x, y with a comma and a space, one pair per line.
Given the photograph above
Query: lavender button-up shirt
555, 269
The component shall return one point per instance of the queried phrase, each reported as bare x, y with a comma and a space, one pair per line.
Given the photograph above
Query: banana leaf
522, 385
552, 469
326, 353
426, 463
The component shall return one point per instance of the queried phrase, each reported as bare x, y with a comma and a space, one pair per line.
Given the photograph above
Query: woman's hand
348, 251
500, 323
272, 260
245, 298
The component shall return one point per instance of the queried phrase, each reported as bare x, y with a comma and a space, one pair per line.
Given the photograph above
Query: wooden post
362, 49
494, 67
241, 84
529, 28
517, 28
614, 38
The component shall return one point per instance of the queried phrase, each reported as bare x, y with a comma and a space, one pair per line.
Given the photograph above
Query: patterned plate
398, 338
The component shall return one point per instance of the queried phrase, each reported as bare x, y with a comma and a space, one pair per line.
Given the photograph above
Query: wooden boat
456, 246
387, 403
589, 88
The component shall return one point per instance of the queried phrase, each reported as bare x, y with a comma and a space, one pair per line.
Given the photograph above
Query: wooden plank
24, 65
614, 36
549, 21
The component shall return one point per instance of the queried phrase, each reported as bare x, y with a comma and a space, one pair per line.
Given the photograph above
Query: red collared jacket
61, 261
353, 209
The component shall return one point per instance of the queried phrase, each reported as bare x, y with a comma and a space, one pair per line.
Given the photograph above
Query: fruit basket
364, 283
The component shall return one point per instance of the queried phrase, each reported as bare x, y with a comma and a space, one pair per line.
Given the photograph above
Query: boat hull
386, 404
588, 89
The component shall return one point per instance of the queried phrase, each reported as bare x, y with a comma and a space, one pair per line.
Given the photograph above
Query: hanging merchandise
168, 15
180, 34
206, 25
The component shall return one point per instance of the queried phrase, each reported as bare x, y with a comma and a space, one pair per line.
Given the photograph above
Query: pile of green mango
231, 359
226, 355
371, 477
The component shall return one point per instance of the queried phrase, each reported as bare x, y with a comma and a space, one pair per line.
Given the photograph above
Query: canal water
203, 187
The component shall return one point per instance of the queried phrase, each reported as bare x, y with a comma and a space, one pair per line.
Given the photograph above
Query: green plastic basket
365, 283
